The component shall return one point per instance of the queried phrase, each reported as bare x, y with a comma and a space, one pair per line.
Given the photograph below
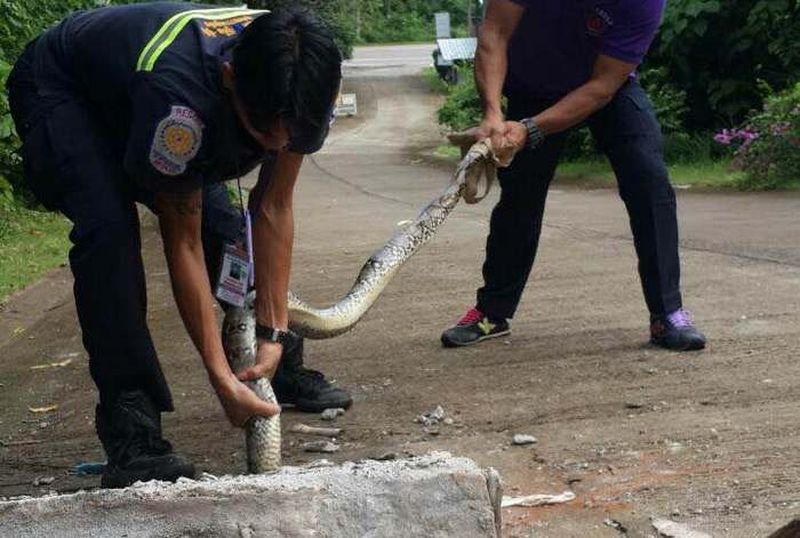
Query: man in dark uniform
561, 63
159, 103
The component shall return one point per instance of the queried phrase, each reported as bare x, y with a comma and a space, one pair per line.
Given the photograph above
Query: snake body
263, 435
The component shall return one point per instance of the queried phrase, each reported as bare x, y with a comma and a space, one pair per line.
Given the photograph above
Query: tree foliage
716, 50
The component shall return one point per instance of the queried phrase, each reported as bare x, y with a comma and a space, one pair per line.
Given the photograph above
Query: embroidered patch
176, 142
598, 21
226, 27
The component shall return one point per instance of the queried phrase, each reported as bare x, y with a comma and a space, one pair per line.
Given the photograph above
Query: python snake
263, 435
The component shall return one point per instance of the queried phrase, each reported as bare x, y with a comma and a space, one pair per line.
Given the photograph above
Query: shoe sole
449, 343
124, 479
310, 406
687, 347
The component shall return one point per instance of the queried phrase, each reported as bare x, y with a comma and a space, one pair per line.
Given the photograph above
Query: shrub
713, 49
767, 146
462, 108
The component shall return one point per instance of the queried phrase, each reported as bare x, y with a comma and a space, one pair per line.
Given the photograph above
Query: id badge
234, 276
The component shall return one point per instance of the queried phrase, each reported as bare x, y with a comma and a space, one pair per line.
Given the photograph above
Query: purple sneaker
676, 331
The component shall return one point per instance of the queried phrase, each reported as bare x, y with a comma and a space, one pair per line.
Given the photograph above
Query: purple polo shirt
557, 41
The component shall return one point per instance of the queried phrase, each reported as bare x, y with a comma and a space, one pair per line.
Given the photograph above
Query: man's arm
491, 62
608, 76
273, 235
180, 221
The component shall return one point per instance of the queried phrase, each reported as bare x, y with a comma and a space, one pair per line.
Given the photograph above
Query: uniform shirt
152, 73
557, 41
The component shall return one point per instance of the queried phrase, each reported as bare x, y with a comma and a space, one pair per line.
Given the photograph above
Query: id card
234, 276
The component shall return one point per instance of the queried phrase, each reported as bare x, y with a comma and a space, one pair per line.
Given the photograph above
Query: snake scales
263, 435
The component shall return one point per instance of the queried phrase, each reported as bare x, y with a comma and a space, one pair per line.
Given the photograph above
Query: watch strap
270, 334
535, 135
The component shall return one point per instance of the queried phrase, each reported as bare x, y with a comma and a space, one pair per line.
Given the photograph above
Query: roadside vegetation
724, 83
722, 75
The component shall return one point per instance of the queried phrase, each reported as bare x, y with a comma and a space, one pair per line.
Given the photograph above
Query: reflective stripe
172, 28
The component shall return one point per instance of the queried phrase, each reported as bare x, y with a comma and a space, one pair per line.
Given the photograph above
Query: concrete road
389, 61
710, 439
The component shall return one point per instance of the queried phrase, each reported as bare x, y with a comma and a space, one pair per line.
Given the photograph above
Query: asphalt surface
709, 439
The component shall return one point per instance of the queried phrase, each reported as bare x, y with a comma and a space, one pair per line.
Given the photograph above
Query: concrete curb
437, 495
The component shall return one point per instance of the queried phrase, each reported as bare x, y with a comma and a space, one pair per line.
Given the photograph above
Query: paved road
389, 61
710, 439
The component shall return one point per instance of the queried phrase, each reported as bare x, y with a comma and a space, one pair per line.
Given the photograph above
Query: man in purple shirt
563, 63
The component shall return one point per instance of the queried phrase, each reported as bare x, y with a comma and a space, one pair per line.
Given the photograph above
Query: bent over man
562, 63
159, 103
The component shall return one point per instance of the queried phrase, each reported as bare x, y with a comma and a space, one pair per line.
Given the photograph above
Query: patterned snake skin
264, 435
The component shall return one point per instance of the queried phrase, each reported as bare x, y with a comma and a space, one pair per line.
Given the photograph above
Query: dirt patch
709, 439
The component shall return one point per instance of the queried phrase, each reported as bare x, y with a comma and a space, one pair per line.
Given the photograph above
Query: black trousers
72, 166
629, 134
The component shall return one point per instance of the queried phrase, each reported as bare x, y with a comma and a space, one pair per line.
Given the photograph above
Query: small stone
634, 405
44, 480
388, 456
325, 447
433, 418
523, 439
675, 448
449, 421
331, 414
431, 431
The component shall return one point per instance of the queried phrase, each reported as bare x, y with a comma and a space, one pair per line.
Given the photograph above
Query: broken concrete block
434, 496
670, 529
792, 530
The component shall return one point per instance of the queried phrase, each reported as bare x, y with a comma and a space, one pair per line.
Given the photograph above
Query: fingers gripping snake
263, 435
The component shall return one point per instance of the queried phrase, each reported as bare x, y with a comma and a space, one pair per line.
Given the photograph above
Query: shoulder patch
176, 142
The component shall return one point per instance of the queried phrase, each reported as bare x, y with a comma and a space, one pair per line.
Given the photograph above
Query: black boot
130, 431
307, 390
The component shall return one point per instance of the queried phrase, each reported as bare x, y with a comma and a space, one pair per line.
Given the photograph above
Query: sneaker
130, 432
676, 331
307, 390
474, 327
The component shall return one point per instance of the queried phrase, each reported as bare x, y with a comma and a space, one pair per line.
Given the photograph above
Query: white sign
346, 105
442, 24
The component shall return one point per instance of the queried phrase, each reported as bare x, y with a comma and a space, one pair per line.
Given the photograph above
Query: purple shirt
557, 41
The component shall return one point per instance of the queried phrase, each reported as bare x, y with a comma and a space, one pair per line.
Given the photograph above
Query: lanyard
248, 226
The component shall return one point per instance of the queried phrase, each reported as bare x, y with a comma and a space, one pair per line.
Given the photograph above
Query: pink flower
725, 137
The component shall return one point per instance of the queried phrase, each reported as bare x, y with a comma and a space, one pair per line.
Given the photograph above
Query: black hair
286, 65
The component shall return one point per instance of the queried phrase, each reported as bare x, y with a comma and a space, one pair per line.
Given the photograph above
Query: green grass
436, 84
31, 243
706, 174
448, 152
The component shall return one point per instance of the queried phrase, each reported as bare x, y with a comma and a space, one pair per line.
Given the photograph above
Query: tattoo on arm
186, 204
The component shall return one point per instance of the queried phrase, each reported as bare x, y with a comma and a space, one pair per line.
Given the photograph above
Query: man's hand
268, 356
515, 139
492, 127
241, 403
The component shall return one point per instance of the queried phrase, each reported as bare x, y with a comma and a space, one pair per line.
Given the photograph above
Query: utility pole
470, 26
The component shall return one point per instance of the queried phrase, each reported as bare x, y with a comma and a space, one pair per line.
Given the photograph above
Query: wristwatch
270, 334
535, 135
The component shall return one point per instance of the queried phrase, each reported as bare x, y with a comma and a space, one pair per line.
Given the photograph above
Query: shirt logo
176, 142
226, 27
598, 20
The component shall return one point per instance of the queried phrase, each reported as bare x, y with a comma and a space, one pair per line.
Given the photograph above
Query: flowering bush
767, 146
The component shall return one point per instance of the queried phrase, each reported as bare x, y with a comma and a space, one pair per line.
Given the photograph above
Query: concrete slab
437, 495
